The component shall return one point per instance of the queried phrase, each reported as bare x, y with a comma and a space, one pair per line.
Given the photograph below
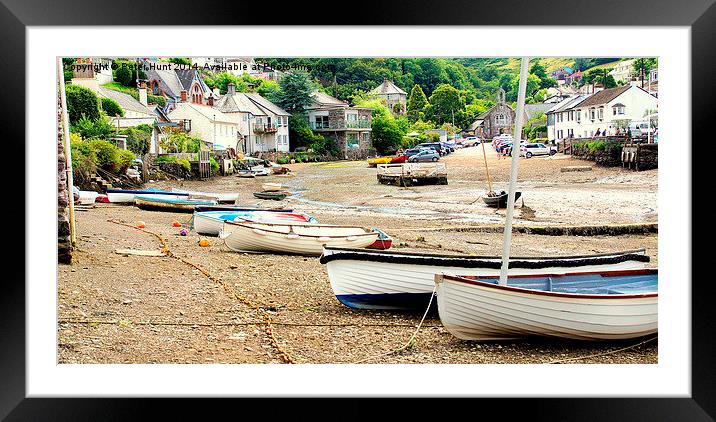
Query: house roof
321, 99
238, 103
126, 101
603, 96
266, 104
532, 110
209, 113
568, 103
387, 87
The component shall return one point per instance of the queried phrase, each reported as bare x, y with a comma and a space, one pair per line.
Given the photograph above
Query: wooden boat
88, 197
260, 171
583, 305
272, 187
293, 238
382, 242
221, 197
127, 196
276, 196
245, 173
169, 204
373, 162
370, 279
211, 222
279, 169
398, 159
498, 200
202, 208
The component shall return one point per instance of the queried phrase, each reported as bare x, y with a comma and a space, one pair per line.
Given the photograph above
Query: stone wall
640, 156
64, 242
610, 156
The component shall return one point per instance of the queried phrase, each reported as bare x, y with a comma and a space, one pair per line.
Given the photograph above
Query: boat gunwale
246, 226
439, 278
411, 258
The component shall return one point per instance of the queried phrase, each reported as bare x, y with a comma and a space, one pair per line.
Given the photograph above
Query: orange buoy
203, 242
176, 224
141, 225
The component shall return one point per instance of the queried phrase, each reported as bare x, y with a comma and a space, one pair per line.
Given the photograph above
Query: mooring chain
268, 328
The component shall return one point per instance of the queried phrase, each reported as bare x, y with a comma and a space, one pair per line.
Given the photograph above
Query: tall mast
507, 241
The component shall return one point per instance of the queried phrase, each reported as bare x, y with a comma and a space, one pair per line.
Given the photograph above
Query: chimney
210, 101
143, 93
183, 95
231, 88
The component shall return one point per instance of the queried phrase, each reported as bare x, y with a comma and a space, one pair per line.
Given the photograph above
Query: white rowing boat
221, 197
293, 238
601, 305
372, 279
210, 223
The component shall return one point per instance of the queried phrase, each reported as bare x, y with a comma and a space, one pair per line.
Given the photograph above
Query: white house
272, 130
208, 123
623, 71
605, 110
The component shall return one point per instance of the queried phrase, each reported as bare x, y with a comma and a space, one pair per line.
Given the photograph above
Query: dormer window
618, 109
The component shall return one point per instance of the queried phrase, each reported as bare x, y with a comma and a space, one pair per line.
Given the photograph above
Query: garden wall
64, 242
604, 153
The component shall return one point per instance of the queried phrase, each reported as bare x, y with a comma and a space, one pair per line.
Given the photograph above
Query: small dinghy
202, 208
293, 238
127, 196
221, 197
498, 200
582, 305
168, 204
371, 279
382, 242
276, 196
245, 173
88, 197
210, 223
276, 169
272, 187
260, 171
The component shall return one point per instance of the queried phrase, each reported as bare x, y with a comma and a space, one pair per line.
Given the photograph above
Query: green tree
269, 90
111, 107
539, 71
222, 80
93, 129
139, 138
296, 91
642, 66
125, 72
81, 101
387, 134
300, 135
446, 105
417, 101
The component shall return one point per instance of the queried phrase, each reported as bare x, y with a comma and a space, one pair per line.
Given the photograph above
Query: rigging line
605, 353
410, 340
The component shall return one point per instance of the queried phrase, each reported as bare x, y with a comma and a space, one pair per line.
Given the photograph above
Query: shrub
156, 99
107, 155
111, 107
214, 165
89, 129
139, 138
166, 159
124, 160
282, 160
184, 163
81, 102
433, 137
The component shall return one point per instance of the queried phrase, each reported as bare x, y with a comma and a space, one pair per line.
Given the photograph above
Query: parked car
412, 151
537, 149
434, 145
424, 155
471, 141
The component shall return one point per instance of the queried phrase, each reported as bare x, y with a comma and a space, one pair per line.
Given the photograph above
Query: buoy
183, 232
203, 242
141, 225
176, 224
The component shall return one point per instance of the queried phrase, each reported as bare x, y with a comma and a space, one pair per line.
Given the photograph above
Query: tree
300, 135
139, 138
539, 71
387, 134
111, 107
125, 72
269, 90
296, 92
222, 81
642, 66
81, 101
446, 105
417, 101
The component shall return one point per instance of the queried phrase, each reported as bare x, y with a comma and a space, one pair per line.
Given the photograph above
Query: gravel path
136, 309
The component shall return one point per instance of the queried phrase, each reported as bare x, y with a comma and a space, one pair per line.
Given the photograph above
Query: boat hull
484, 311
168, 205
211, 223
128, 196
300, 239
276, 196
382, 280
499, 201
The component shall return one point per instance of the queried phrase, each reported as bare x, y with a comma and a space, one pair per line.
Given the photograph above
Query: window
592, 114
579, 116
366, 138
600, 113
352, 140
618, 109
500, 120
321, 122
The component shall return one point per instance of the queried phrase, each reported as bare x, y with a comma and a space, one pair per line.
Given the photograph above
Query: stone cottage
350, 127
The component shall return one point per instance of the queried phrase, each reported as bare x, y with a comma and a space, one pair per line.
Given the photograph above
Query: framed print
284, 212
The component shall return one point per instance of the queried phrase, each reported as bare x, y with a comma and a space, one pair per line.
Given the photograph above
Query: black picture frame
16, 15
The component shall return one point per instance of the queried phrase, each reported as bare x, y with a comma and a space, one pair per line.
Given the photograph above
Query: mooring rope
611, 352
267, 318
410, 340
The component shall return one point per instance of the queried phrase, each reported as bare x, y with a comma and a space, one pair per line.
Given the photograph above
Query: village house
623, 71
262, 125
177, 83
350, 127
211, 125
607, 110
394, 97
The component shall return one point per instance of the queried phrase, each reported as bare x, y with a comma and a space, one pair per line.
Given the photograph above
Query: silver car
424, 155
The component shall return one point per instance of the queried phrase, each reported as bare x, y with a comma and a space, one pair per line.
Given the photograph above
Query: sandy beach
115, 308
